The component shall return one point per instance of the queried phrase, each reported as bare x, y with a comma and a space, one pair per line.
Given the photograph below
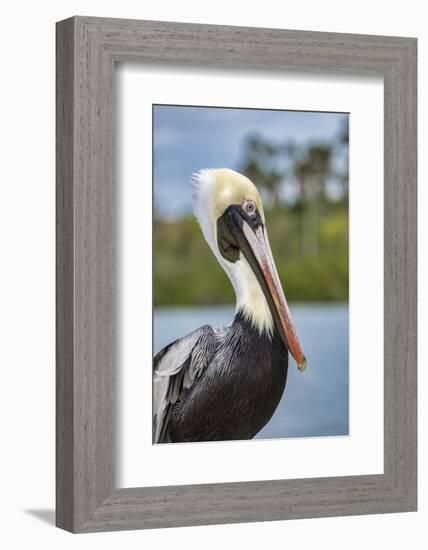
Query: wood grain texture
87, 50
64, 277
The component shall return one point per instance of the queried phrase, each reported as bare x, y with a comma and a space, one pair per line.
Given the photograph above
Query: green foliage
186, 272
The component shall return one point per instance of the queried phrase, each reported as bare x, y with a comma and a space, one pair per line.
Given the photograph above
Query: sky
187, 139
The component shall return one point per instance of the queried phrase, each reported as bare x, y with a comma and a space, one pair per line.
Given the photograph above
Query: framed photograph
236, 274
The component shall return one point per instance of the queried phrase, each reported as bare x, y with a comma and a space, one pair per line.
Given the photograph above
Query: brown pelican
225, 383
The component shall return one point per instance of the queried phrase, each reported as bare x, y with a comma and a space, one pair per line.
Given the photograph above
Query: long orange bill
259, 243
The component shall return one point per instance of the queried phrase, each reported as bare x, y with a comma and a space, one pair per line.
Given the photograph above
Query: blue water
316, 401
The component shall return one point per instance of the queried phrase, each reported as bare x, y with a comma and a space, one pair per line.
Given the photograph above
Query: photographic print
250, 274
191, 289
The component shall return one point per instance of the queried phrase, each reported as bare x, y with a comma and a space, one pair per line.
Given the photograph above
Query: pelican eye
249, 207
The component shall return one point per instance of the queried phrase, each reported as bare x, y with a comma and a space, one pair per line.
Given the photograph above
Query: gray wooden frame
87, 50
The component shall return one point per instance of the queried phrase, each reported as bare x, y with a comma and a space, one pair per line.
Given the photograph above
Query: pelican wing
176, 368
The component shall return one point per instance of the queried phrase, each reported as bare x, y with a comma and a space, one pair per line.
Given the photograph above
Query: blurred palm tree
270, 165
312, 168
341, 146
261, 165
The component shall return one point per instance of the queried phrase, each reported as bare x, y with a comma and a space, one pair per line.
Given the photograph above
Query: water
316, 401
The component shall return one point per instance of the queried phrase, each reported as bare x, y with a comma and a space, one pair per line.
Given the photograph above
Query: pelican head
229, 210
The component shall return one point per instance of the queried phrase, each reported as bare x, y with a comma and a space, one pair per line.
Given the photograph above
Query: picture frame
87, 50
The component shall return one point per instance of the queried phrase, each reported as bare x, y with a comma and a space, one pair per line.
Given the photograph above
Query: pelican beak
266, 272
237, 232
